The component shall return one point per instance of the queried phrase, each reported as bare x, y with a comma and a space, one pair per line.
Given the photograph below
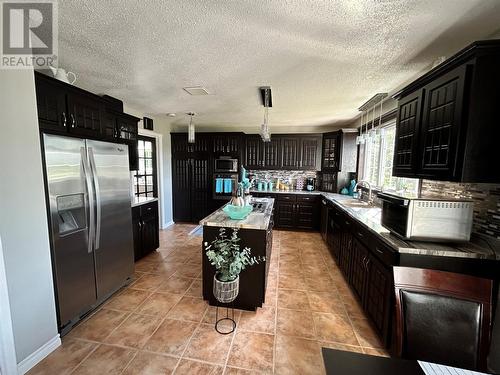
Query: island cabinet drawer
286, 197
307, 198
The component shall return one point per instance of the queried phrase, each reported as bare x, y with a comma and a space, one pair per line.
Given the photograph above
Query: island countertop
258, 219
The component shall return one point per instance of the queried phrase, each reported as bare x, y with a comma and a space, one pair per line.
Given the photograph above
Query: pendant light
191, 129
265, 134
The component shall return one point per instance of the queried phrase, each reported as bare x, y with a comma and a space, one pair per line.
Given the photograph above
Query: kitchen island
256, 233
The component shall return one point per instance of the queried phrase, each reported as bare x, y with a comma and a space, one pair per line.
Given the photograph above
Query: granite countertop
137, 201
257, 219
370, 217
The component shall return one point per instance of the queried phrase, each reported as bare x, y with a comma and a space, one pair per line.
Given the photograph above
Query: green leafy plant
225, 254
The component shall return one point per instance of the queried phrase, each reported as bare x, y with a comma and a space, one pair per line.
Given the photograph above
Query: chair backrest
443, 317
494, 354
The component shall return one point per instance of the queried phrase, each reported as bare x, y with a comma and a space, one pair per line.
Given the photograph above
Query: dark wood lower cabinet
295, 211
146, 229
368, 275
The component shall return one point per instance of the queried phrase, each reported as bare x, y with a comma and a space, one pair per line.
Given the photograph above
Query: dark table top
338, 362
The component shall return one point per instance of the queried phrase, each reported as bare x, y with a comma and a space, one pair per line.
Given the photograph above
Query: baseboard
29, 362
166, 225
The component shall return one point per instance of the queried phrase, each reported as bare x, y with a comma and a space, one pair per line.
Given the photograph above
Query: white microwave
226, 164
423, 219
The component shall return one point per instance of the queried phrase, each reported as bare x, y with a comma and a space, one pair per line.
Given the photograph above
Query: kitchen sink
357, 203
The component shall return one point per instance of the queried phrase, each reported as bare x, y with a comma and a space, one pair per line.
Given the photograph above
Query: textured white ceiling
322, 58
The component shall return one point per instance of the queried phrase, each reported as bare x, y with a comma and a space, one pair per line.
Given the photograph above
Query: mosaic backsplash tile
486, 199
282, 175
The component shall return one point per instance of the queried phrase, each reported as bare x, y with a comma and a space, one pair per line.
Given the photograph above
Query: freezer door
114, 252
70, 198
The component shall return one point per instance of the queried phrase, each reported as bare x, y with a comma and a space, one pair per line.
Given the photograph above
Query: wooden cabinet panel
272, 153
359, 271
253, 152
201, 189
84, 115
379, 296
51, 106
227, 144
324, 219
285, 213
181, 188
145, 229
150, 234
136, 232
309, 153
330, 159
291, 152
407, 130
441, 125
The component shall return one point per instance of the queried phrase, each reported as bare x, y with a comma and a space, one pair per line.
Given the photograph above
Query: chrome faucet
370, 198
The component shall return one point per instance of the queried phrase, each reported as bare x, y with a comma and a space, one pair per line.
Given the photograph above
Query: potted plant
225, 254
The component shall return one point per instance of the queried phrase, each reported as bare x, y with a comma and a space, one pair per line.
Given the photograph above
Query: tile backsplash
283, 175
486, 199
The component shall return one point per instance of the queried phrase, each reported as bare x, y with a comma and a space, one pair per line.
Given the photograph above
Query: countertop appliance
90, 222
226, 164
427, 219
310, 184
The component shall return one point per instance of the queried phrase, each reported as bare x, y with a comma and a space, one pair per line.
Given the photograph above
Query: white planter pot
226, 291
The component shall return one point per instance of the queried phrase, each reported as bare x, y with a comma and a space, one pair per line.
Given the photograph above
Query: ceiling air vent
196, 90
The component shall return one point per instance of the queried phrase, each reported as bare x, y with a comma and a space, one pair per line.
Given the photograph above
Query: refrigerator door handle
90, 197
97, 198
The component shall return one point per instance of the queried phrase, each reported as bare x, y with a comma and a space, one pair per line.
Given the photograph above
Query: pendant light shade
265, 134
191, 129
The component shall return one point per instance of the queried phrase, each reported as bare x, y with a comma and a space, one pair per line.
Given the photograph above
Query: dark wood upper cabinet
290, 148
51, 105
69, 110
441, 126
272, 153
284, 151
446, 125
310, 153
227, 144
406, 144
330, 155
253, 152
84, 115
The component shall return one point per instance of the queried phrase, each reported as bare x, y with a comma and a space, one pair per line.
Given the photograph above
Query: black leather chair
443, 317
494, 355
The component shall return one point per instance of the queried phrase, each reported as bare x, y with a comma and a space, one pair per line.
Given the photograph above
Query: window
145, 182
376, 163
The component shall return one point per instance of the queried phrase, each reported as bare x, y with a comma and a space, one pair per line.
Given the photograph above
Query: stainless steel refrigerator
90, 220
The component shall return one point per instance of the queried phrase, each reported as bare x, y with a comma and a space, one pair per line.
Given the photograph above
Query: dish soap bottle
351, 187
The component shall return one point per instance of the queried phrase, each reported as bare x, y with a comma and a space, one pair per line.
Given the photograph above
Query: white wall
23, 218
163, 127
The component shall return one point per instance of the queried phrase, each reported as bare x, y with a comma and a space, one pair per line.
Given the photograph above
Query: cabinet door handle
361, 235
378, 250
64, 119
73, 122
140, 224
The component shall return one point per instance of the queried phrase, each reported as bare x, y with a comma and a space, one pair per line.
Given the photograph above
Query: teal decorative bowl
237, 212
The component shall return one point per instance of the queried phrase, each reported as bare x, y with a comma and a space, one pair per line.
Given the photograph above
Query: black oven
226, 164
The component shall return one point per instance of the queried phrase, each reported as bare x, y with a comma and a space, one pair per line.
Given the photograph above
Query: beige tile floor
160, 324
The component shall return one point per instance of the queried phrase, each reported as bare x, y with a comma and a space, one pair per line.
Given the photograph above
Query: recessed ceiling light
196, 90
170, 114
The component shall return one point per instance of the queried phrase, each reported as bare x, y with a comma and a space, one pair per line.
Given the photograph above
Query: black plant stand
228, 306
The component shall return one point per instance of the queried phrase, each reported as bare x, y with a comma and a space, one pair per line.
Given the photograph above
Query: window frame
381, 161
154, 174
